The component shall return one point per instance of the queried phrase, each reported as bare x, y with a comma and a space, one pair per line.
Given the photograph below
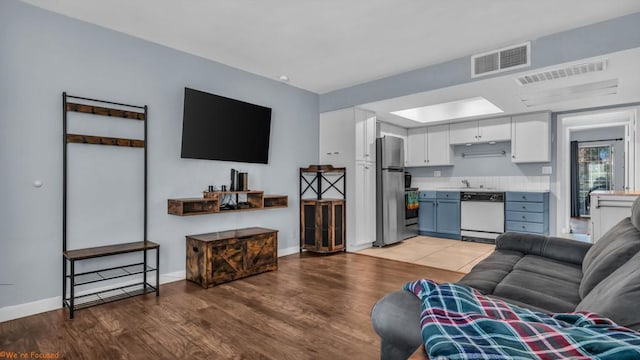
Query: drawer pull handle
524, 198
524, 207
524, 217
195, 249
524, 227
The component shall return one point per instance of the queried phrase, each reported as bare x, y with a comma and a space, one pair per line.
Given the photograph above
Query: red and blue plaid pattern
460, 323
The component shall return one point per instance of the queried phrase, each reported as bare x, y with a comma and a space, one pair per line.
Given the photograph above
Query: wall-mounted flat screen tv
218, 128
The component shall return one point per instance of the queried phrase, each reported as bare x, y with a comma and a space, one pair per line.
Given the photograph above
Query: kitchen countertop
616, 192
487, 189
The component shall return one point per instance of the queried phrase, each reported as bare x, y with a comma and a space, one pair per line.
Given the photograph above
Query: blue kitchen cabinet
439, 214
527, 212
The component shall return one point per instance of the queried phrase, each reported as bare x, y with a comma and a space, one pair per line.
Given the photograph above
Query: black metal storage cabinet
322, 221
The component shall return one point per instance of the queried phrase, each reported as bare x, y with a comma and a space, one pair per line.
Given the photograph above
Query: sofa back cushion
616, 296
615, 248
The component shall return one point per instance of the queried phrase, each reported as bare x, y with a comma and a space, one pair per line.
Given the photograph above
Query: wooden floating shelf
211, 203
103, 140
99, 110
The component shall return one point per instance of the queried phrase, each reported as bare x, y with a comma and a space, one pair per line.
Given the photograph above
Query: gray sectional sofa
541, 273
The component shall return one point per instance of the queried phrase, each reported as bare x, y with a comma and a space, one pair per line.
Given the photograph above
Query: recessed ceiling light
284, 78
450, 110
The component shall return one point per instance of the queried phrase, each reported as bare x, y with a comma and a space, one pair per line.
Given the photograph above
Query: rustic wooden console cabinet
218, 257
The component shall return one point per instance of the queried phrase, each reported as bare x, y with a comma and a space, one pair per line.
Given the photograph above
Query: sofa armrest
556, 248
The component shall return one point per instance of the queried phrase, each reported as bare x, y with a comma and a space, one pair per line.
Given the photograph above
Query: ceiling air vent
563, 72
509, 58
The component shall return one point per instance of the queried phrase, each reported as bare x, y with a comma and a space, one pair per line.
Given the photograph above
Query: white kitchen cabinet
481, 131
417, 147
365, 214
608, 208
464, 133
429, 146
337, 134
343, 134
496, 129
531, 138
365, 127
439, 150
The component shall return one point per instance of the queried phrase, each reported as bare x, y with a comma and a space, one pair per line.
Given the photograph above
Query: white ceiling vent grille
509, 58
563, 72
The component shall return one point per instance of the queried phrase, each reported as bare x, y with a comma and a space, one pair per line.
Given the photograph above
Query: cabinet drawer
427, 195
525, 226
525, 196
450, 195
524, 206
525, 216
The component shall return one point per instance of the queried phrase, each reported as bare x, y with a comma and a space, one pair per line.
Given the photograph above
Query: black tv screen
218, 128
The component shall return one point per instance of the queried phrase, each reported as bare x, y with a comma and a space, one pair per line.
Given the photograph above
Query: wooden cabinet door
448, 217
365, 139
365, 214
438, 146
337, 133
464, 133
427, 215
498, 129
531, 138
416, 147
261, 252
227, 261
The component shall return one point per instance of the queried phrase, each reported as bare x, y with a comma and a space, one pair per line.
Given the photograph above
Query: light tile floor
440, 253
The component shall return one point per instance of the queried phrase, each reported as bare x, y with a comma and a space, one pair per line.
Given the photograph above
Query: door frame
586, 120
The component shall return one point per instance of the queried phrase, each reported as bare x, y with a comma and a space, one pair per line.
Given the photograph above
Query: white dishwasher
481, 215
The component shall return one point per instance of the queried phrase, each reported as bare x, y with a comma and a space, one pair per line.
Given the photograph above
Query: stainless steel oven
481, 215
411, 196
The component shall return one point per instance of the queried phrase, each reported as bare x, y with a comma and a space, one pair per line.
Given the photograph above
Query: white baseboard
288, 251
39, 306
35, 307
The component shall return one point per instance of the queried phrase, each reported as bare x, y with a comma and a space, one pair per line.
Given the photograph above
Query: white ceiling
507, 93
324, 45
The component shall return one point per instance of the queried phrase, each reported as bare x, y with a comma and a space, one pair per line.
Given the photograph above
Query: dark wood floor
313, 307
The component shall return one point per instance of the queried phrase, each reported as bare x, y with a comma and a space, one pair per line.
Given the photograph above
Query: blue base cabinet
439, 214
527, 212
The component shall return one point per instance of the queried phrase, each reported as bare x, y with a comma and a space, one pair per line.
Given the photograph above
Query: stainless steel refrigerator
390, 195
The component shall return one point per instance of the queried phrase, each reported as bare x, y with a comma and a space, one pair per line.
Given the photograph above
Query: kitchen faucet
466, 183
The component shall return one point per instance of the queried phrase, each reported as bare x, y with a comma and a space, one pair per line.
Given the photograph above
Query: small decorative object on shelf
323, 220
213, 202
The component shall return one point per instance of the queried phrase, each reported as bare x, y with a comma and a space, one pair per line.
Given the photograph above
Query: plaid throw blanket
460, 323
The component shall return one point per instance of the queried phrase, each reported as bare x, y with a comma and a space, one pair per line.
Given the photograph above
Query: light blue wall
500, 165
592, 40
43, 54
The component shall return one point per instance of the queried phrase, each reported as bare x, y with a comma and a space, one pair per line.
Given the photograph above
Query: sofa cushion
561, 249
616, 297
487, 274
610, 252
396, 319
541, 291
550, 267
